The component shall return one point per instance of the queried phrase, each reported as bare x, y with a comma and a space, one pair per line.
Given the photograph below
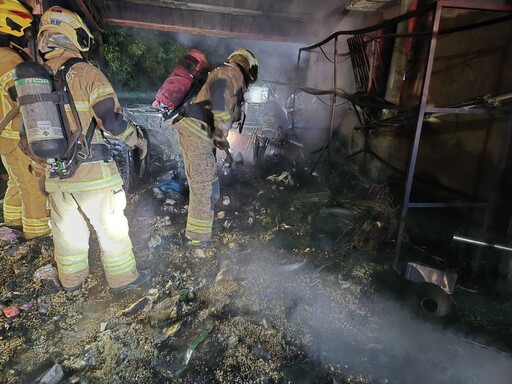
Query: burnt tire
430, 300
129, 165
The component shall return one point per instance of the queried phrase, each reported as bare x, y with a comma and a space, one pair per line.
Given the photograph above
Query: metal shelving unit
423, 109
335, 92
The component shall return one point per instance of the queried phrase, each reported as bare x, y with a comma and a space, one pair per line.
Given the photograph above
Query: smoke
277, 61
365, 333
278, 67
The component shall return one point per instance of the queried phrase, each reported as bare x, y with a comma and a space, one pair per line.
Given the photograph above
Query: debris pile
263, 304
377, 218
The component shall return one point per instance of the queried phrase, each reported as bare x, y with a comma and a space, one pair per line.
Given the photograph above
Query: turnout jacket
89, 87
11, 134
224, 88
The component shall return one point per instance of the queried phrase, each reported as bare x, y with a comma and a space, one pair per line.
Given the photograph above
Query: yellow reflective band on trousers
199, 226
119, 264
70, 264
35, 227
12, 215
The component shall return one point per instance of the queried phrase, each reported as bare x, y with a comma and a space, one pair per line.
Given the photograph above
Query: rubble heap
260, 305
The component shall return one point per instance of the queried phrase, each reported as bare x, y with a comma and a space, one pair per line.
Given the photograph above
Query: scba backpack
42, 98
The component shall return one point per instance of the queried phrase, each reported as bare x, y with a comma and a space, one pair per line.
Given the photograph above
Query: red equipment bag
177, 87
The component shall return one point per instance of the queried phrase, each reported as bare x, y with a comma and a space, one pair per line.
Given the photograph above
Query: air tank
41, 116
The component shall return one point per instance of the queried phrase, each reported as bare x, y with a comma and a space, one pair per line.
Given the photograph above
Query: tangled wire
376, 220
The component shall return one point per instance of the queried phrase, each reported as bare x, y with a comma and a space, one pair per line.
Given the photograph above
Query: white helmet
60, 28
247, 61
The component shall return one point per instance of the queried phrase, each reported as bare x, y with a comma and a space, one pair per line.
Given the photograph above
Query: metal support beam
94, 19
424, 109
469, 240
333, 97
90, 14
417, 136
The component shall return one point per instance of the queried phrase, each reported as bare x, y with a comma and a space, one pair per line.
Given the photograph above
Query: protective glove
222, 144
135, 139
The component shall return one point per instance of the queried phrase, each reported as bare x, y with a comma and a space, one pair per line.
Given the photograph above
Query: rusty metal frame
436, 8
334, 91
424, 110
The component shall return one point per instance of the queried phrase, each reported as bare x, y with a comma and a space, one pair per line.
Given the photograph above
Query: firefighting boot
144, 276
71, 289
197, 243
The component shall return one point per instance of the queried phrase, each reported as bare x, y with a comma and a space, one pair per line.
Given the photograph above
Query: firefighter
25, 202
94, 193
204, 126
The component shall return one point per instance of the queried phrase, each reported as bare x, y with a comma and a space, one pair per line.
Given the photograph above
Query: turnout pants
201, 171
25, 200
104, 209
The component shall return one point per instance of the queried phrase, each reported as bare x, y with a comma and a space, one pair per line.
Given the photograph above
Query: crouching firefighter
83, 181
203, 125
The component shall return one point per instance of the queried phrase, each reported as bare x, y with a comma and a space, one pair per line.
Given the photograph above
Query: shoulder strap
60, 75
79, 137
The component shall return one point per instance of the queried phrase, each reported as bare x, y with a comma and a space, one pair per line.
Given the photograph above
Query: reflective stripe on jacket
8, 60
88, 86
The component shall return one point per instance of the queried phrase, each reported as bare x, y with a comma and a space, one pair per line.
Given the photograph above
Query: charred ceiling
248, 19
299, 21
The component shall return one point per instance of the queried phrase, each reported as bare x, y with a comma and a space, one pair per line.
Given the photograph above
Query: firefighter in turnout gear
204, 126
95, 189
25, 202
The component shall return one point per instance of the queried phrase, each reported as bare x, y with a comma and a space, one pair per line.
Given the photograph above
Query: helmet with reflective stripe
14, 18
59, 21
246, 59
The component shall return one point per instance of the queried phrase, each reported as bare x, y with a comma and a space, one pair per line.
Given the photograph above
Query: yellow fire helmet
14, 18
247, 60
60, 21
